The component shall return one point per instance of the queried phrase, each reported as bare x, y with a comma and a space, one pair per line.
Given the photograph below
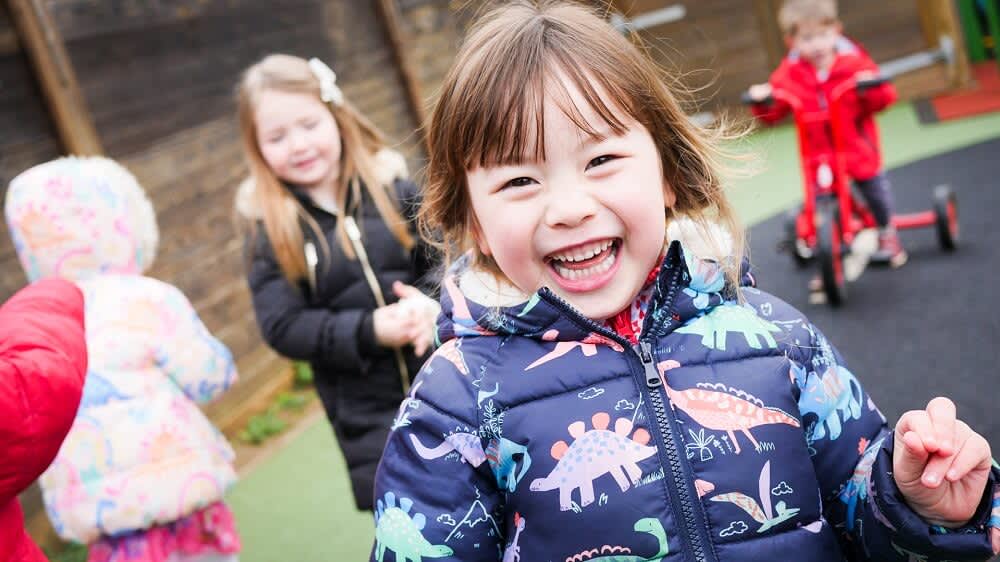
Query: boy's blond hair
794, 13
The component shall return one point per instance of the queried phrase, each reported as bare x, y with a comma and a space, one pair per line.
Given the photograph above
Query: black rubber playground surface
931, 327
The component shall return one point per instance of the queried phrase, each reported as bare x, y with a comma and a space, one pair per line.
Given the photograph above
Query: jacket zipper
680, 494
679, 485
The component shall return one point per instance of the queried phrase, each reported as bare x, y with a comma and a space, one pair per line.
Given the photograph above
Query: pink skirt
209, 531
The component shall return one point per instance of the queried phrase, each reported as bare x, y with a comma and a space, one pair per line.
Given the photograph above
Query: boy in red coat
43, 362
819, 59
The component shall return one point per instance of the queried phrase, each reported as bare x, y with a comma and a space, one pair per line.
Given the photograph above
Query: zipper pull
645, 352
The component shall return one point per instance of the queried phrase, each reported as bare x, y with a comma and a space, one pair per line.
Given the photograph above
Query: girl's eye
275, 139
603, 159
310, 124
518, 182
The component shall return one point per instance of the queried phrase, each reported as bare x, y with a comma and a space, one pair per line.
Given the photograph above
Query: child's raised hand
940, 464
863, 75
760, 92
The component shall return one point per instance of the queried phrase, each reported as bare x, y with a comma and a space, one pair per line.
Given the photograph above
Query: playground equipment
831, 216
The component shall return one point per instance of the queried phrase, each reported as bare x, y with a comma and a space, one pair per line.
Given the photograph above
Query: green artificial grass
297, 505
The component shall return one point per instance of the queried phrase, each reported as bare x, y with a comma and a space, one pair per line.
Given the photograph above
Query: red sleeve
875, 99
777, 110
43, 363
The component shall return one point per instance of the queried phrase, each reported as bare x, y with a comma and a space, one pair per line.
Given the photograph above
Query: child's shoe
890, 250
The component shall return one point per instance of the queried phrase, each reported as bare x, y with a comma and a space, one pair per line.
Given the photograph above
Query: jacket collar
475, 303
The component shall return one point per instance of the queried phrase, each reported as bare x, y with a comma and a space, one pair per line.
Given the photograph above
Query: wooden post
938, 17
770, 35
390, 22
41, 40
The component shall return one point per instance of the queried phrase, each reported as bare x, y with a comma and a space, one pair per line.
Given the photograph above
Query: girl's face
588, 221
298, 138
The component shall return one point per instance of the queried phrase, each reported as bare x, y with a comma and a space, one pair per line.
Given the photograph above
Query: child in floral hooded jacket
142, 472
605, 388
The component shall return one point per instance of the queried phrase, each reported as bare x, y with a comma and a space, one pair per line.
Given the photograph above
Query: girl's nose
297, 141
569, 206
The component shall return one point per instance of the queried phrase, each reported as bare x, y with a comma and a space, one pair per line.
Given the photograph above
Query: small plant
262, 426
303, 375
72, 552
290, 401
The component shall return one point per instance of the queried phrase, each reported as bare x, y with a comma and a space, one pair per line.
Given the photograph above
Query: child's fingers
974, 454
403, 290
420, 346
942, 414
919, 422
910, 458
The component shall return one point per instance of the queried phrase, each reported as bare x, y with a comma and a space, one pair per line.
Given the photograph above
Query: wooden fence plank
44, 46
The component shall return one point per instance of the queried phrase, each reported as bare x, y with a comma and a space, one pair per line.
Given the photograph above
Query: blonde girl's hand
425, 310
940, 464
393, 325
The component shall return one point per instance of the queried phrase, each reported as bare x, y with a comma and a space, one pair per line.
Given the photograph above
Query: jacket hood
691, 277
79, 217
389, 166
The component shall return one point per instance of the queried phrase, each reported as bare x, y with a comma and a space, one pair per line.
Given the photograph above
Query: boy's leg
877, 192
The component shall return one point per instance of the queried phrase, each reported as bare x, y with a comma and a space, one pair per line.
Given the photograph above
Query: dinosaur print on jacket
835, 397
716, 325
395, 530
722, 411
593, 454
857, 487
608, 553
513, 552
761, 512
466, 444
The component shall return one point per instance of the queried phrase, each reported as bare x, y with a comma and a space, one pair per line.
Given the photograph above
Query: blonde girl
333, 260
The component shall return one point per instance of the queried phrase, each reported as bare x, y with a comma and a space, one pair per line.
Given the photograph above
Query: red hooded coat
43, 362
798, 77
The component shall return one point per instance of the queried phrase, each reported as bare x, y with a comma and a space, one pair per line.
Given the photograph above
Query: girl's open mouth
586, 267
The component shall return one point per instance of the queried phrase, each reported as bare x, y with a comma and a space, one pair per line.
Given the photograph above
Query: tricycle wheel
798, 249
830, 253
946, 217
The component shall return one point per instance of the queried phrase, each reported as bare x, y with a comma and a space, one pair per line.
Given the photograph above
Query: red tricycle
832, 215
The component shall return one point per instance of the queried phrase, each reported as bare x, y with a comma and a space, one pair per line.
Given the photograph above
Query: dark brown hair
490, 112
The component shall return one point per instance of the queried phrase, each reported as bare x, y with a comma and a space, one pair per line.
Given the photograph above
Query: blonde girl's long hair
280, 211
490, 113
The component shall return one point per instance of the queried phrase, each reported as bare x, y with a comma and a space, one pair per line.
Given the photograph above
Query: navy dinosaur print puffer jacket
730, 432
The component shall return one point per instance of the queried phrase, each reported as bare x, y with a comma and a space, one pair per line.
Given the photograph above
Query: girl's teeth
584, 253
597, 269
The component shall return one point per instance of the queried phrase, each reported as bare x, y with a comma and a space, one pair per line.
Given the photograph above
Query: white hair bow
328, 90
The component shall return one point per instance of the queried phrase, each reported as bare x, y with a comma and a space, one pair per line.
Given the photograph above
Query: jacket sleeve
878, 98
770, 113
43, 362
433, 479
425, 259
288, 324
773, 112
851, 445
201, 365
